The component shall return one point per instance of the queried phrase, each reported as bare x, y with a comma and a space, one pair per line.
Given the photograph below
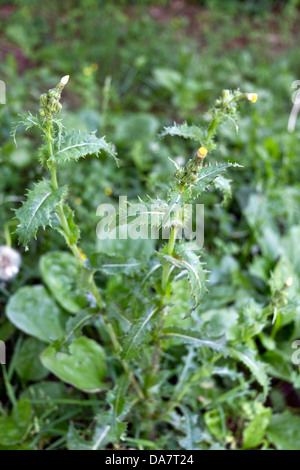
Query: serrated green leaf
253, 434
75, 145
248, 357
84, 367
111, 265
193, 337
208, 174
14, 428
28, 120
33, 311
184, 130
116, 398
74, 235
137, 335
189, 261
42, 202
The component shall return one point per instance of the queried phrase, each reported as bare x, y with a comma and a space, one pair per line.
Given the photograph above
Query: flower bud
202, 152
64, 80
252, 97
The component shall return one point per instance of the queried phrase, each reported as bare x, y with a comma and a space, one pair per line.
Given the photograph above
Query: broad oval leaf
84, 367
28, 364
284, 431
60, 272
33, 311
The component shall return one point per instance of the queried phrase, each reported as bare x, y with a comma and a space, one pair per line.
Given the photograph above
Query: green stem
166, 268
7, 234
62, 216
213, 127
75, 250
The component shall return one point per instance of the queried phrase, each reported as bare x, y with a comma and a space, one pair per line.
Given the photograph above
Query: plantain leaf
84, 367
75, 145
37, 211
33, 311
137, 336
184, 130
193, 337
60, 271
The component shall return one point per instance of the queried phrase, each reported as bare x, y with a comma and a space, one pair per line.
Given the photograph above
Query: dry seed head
10, 262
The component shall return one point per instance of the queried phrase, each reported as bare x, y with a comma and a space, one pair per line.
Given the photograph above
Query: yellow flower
252, 97
289, 282
108, 191
83, 256
202, 152
87, 71
78, 201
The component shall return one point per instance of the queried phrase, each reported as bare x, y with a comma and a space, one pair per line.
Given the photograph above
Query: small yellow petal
252, 97
83, 256
202, 152
87, 71
108, 191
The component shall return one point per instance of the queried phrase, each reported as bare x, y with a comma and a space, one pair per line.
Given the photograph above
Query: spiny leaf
28, 121
116, 399
224, 185
193, 337
74, 232
248, 357
208, 174
75, 145
111, 265
42, 202
137, 336
184, 130
190, 261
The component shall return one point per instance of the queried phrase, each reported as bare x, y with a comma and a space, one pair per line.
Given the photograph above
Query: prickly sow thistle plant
129, 352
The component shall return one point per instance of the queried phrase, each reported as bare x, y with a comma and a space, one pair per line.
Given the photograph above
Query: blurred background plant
135, 67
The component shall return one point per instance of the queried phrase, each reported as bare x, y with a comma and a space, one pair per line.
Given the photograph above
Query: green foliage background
160, 62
